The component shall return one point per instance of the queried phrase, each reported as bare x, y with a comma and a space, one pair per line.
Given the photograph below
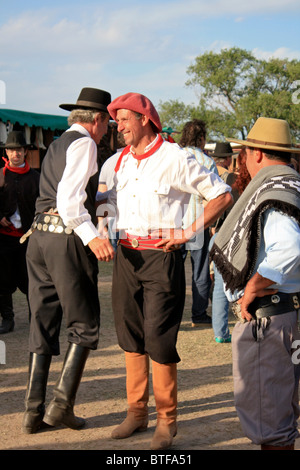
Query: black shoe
7, 313
204, 319
7, 326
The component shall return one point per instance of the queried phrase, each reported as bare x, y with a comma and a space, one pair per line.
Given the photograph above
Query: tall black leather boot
7, 313
60, 409
36, 392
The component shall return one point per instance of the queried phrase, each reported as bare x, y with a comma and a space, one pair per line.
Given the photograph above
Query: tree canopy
233, 89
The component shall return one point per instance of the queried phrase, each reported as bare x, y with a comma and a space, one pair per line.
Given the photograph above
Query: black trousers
13, 271
62, 281
148, 296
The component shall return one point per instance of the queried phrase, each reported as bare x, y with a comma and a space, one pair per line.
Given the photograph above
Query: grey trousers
266, 379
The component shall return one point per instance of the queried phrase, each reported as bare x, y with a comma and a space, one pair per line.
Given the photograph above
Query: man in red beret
153, 183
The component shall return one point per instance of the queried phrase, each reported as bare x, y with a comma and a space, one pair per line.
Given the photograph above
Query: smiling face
16, 156
130, 126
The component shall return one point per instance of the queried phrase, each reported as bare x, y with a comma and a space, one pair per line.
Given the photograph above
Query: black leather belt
50, 223
275, 304
47, 222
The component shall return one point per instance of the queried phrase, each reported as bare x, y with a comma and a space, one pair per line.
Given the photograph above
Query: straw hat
269, 134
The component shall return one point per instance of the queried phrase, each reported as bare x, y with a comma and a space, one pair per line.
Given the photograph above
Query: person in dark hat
19, 188
257, 252
152, 186
62, 259
222, 155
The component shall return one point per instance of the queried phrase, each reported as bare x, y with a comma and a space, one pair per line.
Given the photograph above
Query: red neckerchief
126, 150
17, 169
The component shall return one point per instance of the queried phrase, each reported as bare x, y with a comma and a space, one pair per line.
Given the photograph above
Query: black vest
52, 170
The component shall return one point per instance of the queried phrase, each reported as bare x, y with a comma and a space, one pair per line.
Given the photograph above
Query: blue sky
52, 49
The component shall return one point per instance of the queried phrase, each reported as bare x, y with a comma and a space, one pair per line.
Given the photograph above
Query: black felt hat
223, 150
90, 98
15, 139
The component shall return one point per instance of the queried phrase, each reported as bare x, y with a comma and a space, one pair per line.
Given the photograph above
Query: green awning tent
46, 121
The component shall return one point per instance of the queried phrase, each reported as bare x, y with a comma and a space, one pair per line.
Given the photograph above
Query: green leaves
234, 89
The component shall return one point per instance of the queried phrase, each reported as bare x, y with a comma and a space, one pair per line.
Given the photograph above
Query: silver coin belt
51, 223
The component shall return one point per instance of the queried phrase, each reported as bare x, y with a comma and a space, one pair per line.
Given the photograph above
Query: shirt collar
77, 127
148, 147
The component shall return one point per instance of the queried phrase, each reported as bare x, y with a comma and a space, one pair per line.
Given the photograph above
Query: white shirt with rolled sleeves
81, 164
155, 194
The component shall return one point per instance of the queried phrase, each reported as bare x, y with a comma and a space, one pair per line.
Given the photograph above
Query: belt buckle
134, 243
275, 299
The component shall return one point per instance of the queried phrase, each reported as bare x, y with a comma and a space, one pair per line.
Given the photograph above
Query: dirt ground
207, 418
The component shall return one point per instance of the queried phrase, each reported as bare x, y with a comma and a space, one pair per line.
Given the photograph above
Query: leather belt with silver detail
275, 304
269, 306
143, 243
51, 223
47, 222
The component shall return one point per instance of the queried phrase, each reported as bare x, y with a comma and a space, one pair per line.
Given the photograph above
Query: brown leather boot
165, 394
137, 386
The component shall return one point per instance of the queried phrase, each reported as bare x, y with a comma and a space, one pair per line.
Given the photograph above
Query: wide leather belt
140, 244
143, 243
275, 304
50, 223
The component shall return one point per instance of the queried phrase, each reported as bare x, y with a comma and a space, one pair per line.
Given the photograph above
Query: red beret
138, 103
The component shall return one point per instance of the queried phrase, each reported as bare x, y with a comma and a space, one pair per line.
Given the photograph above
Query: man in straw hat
19, 188
154, 180
62, 258
257, 252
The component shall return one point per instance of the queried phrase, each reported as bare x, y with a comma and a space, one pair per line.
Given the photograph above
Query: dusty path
207, 418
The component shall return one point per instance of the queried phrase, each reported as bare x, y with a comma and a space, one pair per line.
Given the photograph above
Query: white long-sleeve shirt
155, 194
81, 164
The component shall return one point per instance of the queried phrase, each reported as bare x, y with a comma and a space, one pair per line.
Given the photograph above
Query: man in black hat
19, 188
62, 259
222, 156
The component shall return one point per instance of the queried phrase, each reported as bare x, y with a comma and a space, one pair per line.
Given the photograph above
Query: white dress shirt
155, 194
81, 164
